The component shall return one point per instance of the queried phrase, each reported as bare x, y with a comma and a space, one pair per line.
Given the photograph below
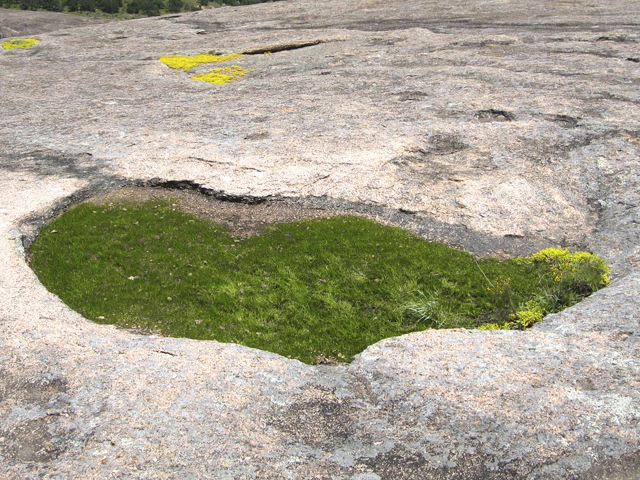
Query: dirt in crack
288, 280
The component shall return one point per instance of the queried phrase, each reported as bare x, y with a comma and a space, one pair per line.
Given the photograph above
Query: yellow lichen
19, 43
566, 265
187, 62
496, 326
527, 316
220, 76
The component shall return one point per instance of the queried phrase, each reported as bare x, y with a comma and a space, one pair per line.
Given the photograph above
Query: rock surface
21, 23
498, 126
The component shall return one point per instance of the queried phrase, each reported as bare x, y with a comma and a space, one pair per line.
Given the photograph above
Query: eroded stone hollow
517, 119
311, 280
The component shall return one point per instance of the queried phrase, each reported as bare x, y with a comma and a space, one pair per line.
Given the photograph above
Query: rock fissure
282, 47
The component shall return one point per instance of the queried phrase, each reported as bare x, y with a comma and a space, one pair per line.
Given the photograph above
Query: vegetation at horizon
122, 8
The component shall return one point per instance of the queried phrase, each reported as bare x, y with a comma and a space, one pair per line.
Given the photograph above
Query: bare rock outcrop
497, 126
19, 23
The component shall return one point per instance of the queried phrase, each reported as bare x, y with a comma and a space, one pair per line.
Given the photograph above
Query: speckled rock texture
499, 126
14, 23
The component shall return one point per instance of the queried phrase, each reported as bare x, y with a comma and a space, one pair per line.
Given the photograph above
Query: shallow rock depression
497, 126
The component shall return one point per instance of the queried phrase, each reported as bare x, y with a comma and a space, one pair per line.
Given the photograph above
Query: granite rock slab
501, 127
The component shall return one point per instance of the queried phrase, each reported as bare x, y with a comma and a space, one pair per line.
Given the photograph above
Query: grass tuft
317, 290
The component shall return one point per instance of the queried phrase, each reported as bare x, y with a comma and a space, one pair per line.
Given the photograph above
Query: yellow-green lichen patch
19, 43
187, 62
575, 276
220, 76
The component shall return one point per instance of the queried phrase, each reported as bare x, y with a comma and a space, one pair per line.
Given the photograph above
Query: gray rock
495, 126
21, 23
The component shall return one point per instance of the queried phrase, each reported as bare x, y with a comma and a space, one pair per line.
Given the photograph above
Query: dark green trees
174, 6
109, 6
142, 7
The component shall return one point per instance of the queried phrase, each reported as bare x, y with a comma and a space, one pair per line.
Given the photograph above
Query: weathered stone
20, 23
498, 126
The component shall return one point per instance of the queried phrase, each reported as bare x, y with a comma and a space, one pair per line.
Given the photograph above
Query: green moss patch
316, 290
20, 43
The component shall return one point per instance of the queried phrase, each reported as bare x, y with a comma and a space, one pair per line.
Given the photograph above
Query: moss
19, 43
312, 290
187, 62
220, 76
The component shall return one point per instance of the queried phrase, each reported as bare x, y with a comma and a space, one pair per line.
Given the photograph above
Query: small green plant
20, 43
579, 272
315, 290
570, 278
431, 311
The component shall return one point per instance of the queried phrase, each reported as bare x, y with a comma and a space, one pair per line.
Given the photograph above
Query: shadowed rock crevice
616, 38
318, 419
565, 121
34, 402
32, 389
45, 163
425, 154
30, 441
281, 47
495, 115
623, 467
401, 462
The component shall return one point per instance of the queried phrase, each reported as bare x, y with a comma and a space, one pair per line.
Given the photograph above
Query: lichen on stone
20, 43
187, 62
220, 76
